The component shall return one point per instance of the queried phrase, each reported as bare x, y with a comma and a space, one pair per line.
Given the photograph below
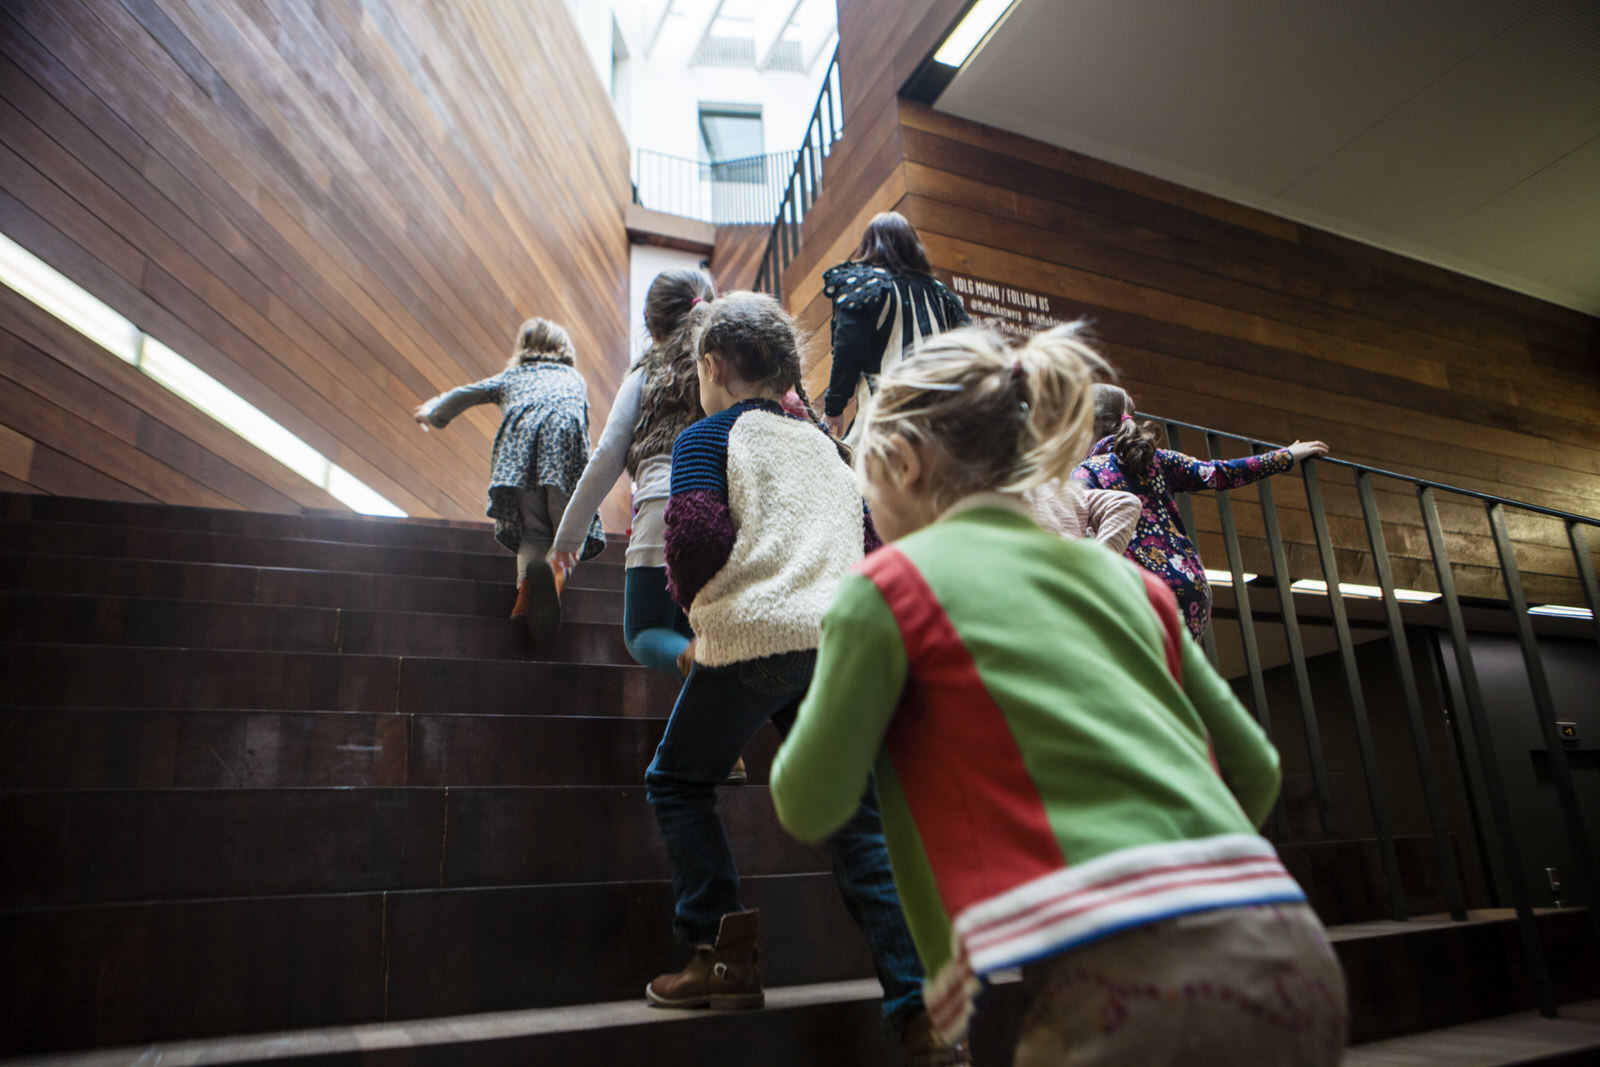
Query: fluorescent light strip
970, 32
1561, 611
1363, 592
73, 305
1226, 577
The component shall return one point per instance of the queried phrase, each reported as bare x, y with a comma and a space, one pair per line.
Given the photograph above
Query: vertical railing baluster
1247, 627
1578, 539
1358, 700
1455, 899
1545, 709
1516, 875
1208, 640
1297, 662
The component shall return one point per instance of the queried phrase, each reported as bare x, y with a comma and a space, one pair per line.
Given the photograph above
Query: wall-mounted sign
1014, 312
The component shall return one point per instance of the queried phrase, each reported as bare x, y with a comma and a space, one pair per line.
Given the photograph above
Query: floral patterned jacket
1160, 543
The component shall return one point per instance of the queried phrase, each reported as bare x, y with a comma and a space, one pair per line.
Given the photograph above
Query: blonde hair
993, 417
540, 340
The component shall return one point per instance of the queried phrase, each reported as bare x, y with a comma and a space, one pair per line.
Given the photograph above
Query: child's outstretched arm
821, 771
605, 466
699, 524
1188, 474
441, 409
1247, 760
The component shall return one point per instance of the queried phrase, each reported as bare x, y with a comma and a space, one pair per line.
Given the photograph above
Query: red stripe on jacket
984, 827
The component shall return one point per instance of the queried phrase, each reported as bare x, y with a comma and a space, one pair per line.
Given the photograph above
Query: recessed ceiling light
970, 32
1225, 577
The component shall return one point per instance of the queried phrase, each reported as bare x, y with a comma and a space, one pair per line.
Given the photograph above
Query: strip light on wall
970, 31
1363, 592
1226, 577
1561, 611
92, 317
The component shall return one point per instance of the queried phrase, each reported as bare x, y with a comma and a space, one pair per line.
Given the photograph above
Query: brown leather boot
724, 977
921, 1046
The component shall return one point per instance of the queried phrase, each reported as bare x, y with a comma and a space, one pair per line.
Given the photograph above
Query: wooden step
832, 1022
491, 564
162, 748
41, 675
1573, 1040
801, 1026
445, 535
106, 846
241, 584
65, 618
120, 973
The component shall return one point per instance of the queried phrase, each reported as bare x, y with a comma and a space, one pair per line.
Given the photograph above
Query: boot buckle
720, 970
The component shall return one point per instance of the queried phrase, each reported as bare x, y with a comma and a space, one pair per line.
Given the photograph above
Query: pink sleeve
1112, 516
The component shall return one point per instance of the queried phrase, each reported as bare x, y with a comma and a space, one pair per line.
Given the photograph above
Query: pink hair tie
697, 300
1127, 418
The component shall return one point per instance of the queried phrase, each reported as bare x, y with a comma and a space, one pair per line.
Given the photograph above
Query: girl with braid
1128, 457
763, 523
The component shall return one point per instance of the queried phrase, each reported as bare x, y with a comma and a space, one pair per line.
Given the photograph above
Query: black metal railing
1502, 831
805, 183
731, 192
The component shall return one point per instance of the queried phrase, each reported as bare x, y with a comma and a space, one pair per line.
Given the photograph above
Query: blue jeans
719, 710
653, 626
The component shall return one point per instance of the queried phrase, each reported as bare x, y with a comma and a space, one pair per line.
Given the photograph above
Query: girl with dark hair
658, 400
1128, 456
886, 302
538, 455
763, 524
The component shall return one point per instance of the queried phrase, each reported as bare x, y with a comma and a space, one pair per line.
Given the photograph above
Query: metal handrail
698, 189
1473, 714
825, 127
1537, 509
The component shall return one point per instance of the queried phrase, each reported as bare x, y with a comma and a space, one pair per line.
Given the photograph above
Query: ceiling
1461, 132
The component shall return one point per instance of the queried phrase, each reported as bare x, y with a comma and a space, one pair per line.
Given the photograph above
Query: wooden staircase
297, 773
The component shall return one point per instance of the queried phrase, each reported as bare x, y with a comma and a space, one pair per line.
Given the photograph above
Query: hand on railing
1304, 450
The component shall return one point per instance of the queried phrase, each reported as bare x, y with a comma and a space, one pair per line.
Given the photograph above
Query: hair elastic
1127, 418
697, 300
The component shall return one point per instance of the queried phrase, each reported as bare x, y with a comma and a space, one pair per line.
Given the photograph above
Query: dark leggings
654, 628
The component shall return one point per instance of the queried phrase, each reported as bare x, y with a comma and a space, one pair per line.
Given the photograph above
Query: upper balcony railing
733, 192
1355, 489
805, 183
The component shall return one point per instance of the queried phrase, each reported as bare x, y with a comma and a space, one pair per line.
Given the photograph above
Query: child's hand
561, 562
1304, 450
421, 417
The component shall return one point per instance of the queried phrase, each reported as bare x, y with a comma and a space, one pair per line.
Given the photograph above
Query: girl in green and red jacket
1065, 782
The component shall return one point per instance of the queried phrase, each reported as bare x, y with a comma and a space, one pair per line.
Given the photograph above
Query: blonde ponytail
993, 418
1060, 369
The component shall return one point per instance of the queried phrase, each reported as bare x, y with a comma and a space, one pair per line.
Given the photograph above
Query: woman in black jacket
886, 302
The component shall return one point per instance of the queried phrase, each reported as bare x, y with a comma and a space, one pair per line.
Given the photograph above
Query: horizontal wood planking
337, 212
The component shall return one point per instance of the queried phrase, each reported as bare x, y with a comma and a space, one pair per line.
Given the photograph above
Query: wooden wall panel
336, 209
1225, 316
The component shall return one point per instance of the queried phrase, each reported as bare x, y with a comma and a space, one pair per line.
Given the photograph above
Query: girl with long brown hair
886, 302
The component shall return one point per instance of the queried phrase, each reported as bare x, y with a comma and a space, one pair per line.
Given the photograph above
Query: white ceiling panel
1456, 132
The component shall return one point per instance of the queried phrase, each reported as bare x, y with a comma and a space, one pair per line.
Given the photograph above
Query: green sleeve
1247, 759
822, 769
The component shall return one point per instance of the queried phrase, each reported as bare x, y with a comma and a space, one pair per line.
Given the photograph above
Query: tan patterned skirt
1255, 985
